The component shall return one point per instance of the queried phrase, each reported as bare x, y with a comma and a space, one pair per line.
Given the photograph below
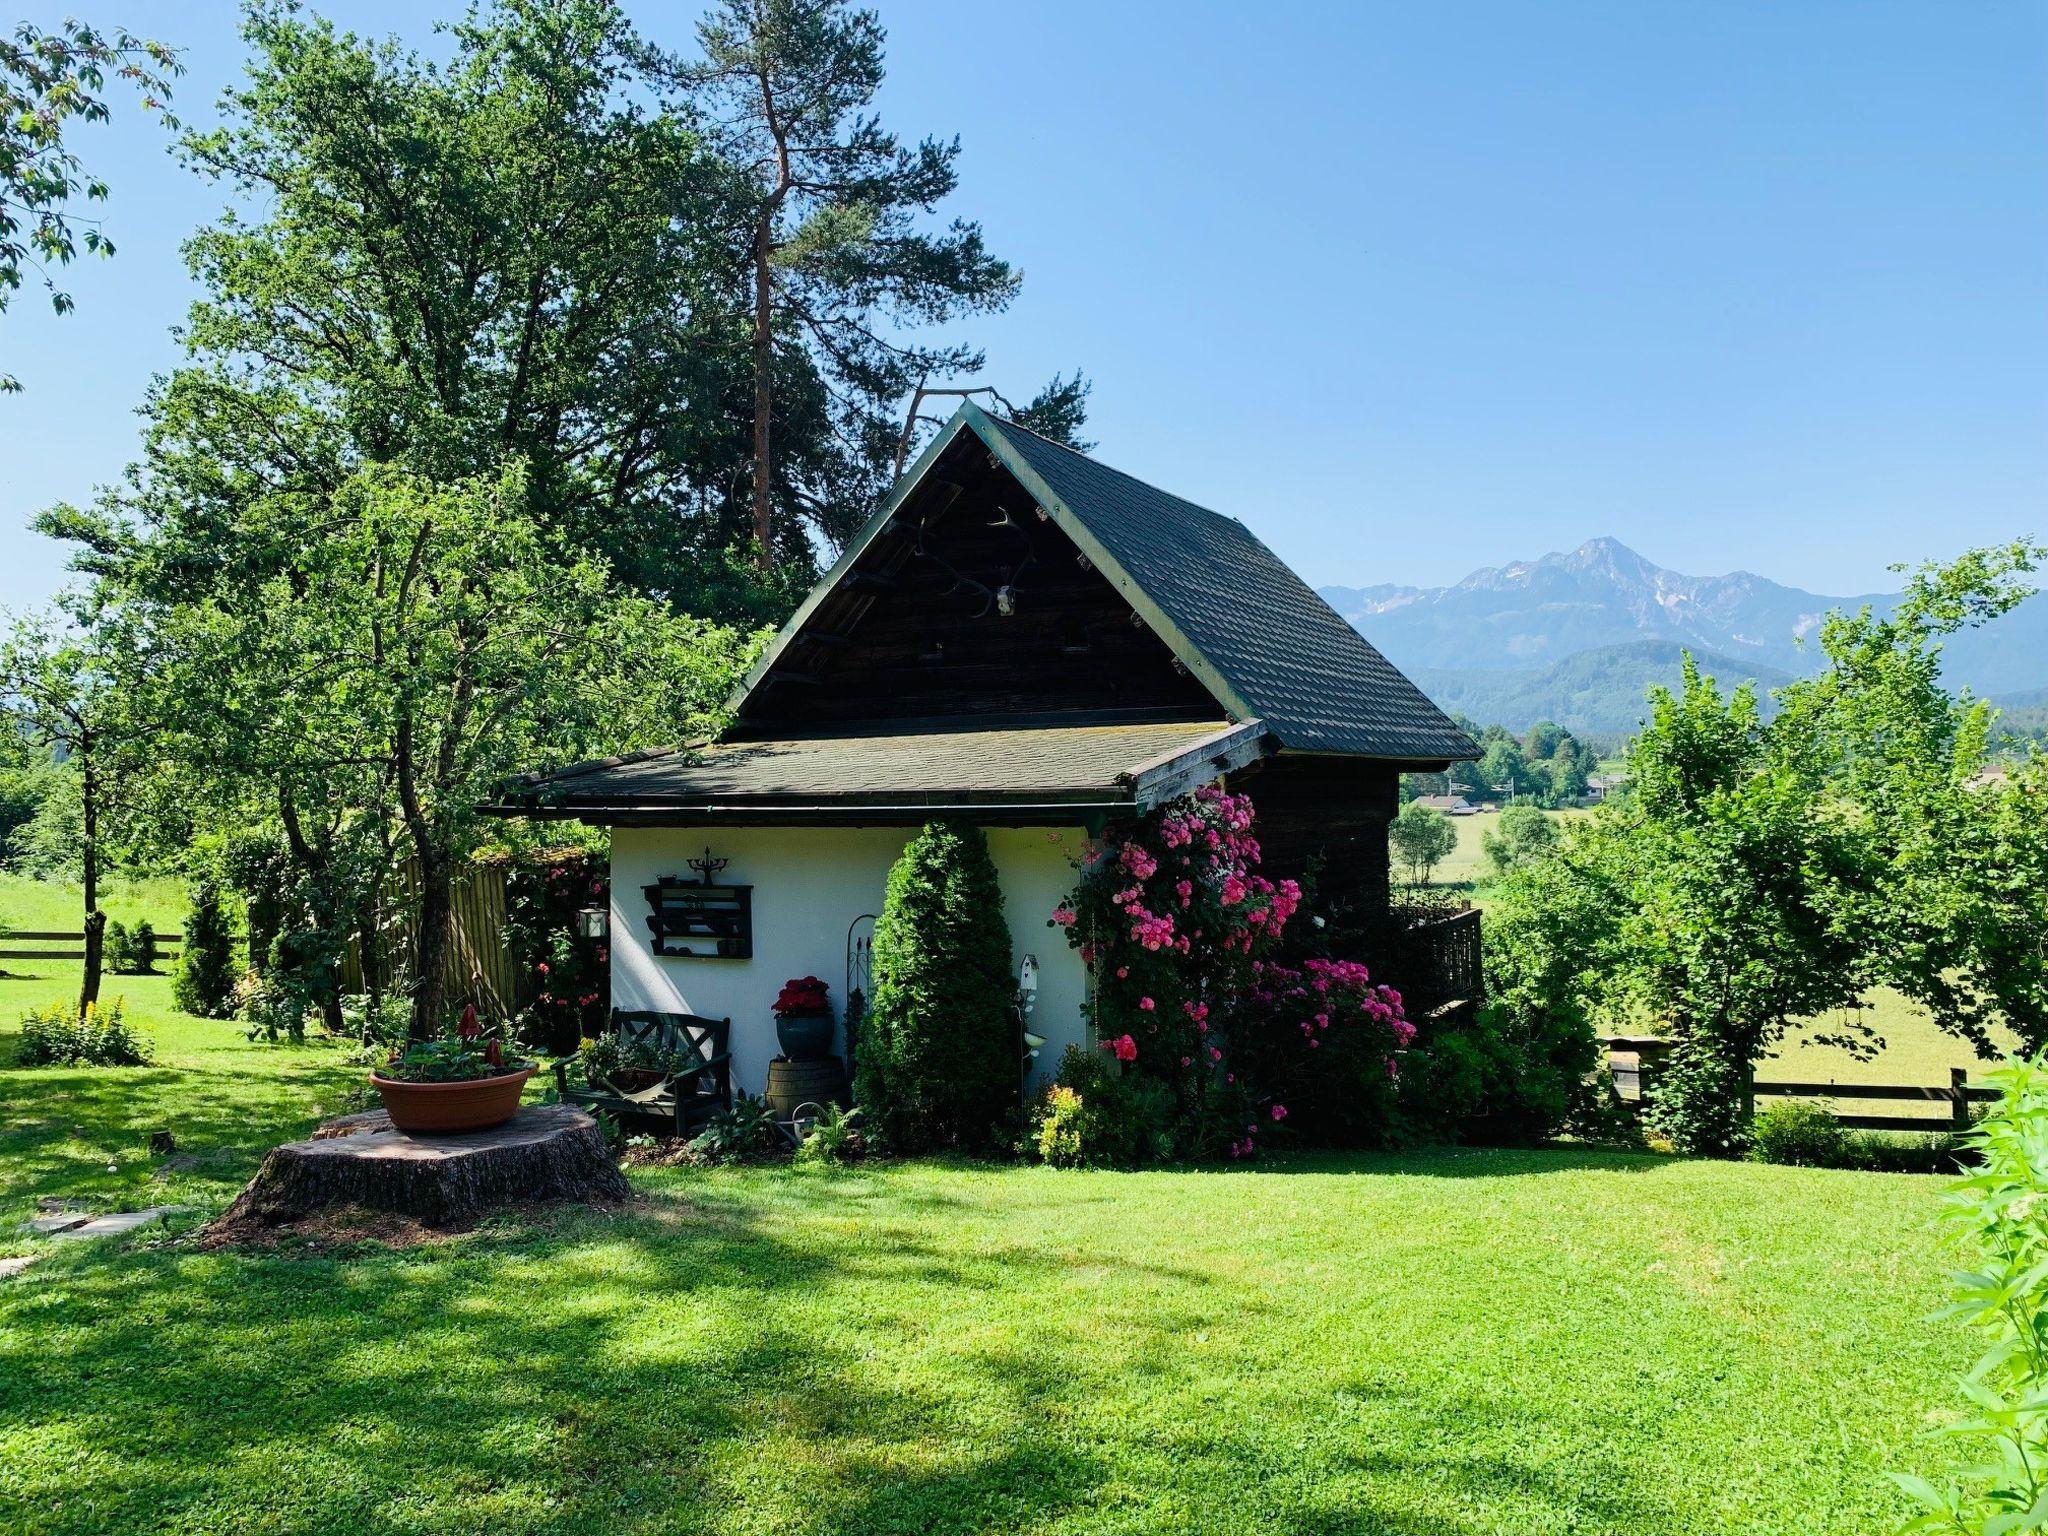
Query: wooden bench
686, 1097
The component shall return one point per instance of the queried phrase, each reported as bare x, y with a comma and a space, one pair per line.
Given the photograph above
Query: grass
58, 906
1453, 1342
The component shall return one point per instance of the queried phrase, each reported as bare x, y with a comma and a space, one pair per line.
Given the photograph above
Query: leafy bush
131, 951
204, 982
1095, 1114
834, 1140
1798, 1134
543, 896
2001, 1482
610, 1053
744, 1133
1420, 838
1170, 914
937, 1060
1320, 1045
55, 1036
1522, 833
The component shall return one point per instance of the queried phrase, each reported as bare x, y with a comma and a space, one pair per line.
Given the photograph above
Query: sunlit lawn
1451, 1342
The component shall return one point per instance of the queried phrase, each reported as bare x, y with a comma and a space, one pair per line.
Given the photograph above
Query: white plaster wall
809, 884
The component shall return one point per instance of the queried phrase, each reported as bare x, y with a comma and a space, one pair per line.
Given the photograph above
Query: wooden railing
166, 944
1433, 959
1633, 1062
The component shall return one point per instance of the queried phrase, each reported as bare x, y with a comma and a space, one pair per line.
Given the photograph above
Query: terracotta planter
804, 1035
425, 1108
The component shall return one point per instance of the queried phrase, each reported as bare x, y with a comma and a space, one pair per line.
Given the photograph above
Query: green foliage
848, 276
1097, 1114
937, 1061
57, 1036
204, 982
545, 891
450, 1060
609, 1053
1799, 1134
1955, 888
833, 1141
1726, 876
1420, 838
744, 1133
2001, 1439
131, 951
1522, 832
50, 80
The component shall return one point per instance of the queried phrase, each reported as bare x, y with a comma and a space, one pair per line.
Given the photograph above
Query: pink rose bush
1177, 922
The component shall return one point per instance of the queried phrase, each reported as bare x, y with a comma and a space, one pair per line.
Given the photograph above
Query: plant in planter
629, 1065
460, 1082
803, 1019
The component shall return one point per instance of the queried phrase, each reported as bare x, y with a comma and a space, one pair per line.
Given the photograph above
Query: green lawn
1449, 1342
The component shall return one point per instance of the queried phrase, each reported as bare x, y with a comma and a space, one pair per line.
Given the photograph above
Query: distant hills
1577, 637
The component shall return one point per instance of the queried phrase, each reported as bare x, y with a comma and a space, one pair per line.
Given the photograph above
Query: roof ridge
1107, 468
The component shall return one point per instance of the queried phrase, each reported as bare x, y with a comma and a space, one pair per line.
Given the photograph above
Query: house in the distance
1450, 805
1026, 638
1600, 785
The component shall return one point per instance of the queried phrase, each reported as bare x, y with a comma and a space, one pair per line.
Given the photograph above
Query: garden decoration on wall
697, 919
1179, 929
461, 1082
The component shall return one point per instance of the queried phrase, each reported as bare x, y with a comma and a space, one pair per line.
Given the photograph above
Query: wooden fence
1633, 1061
477, 968
166, 943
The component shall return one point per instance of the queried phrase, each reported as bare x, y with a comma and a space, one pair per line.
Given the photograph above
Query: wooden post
1958, 1099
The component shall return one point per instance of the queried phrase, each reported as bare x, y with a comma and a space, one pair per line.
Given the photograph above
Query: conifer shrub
937, 1064
204, 982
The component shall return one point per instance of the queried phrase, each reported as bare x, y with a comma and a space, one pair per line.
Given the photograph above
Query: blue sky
1409, 288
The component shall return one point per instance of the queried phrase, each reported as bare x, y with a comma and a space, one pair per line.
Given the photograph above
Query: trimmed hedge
937, 1063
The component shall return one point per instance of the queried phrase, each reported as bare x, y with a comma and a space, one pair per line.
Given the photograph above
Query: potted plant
460, 1082
803, 1019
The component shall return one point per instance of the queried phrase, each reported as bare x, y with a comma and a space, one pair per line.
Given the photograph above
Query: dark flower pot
804, 1035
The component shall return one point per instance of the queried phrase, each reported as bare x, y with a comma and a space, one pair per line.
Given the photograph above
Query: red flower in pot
803, 1019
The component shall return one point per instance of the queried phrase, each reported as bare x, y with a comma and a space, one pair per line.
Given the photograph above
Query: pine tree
938, 1064
205, 980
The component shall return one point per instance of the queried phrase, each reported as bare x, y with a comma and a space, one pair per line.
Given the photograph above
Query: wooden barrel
818, 1080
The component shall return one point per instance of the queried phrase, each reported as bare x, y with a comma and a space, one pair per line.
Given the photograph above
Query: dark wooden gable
917, 628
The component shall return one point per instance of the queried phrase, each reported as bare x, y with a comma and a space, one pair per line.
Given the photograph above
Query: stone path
78, 1226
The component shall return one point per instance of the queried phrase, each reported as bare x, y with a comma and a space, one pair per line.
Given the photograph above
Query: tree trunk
545, 1152
437, 911
764, 366
95, 919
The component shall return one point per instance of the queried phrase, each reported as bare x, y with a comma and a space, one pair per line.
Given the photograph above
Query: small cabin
1020, 636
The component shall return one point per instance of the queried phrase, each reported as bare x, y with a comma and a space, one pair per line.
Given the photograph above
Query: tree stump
545, 1152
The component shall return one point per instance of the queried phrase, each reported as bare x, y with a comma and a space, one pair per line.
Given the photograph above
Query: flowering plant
566, 971
467, 1054
1326, 1040
802, 998
1170, 912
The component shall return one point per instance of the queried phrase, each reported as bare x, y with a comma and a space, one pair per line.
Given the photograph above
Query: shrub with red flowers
1325, 1041
1175, 920
1170, 911
567, 981
802, 998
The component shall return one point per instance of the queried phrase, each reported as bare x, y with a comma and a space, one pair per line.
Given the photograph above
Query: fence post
1958, 1100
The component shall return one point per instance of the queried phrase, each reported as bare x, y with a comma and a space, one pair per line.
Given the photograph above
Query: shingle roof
1271, 642
1091, 764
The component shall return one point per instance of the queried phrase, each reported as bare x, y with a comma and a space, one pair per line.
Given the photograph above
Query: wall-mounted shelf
692, 920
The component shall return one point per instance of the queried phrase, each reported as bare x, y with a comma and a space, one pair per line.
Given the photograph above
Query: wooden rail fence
166, 943
1633, 1060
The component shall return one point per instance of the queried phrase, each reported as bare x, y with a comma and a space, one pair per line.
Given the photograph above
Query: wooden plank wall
477, 969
